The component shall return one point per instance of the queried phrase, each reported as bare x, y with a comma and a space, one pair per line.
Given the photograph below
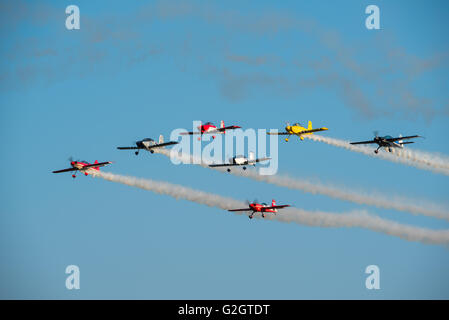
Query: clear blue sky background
140, 69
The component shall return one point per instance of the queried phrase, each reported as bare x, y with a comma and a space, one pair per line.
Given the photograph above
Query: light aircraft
298, 130
210, 128
261, 207
84, 166
388, 142
240, 161
148, 144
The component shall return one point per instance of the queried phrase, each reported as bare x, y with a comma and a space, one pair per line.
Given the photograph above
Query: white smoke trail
373, 199
311, 218
342, 193
175, 191
418, 159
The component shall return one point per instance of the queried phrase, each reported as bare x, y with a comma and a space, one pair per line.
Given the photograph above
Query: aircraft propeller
72, 160
248, 202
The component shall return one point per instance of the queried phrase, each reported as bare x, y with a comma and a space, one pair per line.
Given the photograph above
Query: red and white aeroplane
262, 208
84, 166
210, 128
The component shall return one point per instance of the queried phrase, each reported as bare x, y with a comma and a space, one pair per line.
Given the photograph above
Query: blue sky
143, 69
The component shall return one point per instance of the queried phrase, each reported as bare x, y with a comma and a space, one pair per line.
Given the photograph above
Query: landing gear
137, 152
73, 176
244, 168
376, 151
251, 216
152, 151
390, 150
229, 170
263, 216
286, 139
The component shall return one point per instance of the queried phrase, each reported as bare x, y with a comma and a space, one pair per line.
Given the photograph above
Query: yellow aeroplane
298, 130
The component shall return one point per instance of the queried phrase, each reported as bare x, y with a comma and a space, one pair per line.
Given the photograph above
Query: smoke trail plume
311, 218
175, 191
418, 159
336, 192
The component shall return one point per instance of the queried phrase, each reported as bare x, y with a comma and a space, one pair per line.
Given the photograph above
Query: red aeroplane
84, 166
261, 207
210, 128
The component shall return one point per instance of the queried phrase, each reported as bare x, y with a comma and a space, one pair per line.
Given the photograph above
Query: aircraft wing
401, 138
234, 210
258, 160
278, 207
364, 142
65, 170
279, 133
312, 130
228, 128
159, 145
100, 164
225, 165
128, 148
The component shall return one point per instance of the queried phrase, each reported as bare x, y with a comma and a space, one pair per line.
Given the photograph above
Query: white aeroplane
148, 144
240, 161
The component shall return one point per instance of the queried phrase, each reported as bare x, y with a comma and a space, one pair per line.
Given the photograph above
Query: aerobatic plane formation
387, 142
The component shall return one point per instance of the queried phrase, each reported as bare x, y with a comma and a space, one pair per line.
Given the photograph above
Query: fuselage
145, 143
382, 142
295, 129
240, 160
80, 166
261, 207
207, 127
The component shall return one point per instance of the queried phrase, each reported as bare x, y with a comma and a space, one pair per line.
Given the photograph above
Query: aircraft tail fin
161, 139
251, 155
273, 203
309, 127
222, 124
98, 168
